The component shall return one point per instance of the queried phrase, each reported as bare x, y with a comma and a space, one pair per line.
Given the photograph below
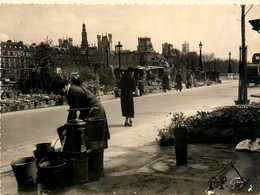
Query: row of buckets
54, 168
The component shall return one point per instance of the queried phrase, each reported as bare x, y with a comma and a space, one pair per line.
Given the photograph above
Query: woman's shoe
131, 122
127, 125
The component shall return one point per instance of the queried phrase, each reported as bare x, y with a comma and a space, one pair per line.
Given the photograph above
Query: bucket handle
56, 141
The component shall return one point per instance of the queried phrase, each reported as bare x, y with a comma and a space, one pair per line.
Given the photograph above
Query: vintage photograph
130, 98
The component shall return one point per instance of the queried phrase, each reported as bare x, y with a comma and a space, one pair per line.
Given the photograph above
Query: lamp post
229, 63
21, 73
107, 50
242, 88
119, 46
200, 45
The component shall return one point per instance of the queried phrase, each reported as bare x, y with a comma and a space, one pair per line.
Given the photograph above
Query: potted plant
180, 137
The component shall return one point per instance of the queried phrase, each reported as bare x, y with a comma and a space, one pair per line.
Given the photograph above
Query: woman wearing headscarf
127, 85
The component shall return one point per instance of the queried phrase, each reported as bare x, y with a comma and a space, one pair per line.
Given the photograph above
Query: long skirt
127, 104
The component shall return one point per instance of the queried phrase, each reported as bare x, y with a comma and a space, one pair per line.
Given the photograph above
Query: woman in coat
127, 85
178, 81
79, 97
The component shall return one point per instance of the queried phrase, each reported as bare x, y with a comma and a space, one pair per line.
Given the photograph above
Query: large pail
95, 164
51, 170
44, 147
180, 143
80, 169
25, 171
42, 150
75, 137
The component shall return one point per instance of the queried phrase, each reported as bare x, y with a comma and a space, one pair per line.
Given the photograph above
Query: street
22, 130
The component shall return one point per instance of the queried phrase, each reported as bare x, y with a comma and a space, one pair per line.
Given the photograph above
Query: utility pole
242, 88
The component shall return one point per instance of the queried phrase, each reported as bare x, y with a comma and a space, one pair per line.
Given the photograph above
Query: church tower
84, 42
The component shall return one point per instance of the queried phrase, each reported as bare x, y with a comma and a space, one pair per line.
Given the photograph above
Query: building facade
144, 56
13, 58
168, 52
65, 43
104, 43
185, 47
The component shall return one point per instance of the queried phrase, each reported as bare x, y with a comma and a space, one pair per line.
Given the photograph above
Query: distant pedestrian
127, 85
165, 81
189, 80
178, 81
141, 87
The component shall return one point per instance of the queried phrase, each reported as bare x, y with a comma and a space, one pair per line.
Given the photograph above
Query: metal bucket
95, 164
180, 143
44, 147
25, 171
80, 170
42, 151
51, 170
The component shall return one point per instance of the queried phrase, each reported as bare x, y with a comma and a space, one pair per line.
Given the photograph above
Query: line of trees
44, 61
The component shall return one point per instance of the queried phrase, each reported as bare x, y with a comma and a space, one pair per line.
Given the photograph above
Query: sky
218, 27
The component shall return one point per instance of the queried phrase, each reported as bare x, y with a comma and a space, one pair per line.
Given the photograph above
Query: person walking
127, 85
178, 81
79, 97
165, 81
188, 80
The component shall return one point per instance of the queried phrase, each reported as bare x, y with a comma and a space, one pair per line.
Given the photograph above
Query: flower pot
180, 143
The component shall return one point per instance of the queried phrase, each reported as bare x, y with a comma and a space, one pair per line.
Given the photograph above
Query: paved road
21, 130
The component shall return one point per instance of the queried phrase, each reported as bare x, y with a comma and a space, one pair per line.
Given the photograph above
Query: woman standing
178, 81
127, 86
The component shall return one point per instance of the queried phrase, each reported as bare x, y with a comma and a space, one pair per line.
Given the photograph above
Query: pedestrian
141, 87
188, 80
178, 81
79, 97
165, 81
127, 85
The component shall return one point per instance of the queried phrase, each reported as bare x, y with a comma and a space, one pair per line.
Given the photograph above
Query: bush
229, 124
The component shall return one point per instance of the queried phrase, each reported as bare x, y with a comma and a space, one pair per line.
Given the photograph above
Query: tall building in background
12, 59
168, 52
104, 43
84, 42
144, 44
65, 43
167, 49
185, 47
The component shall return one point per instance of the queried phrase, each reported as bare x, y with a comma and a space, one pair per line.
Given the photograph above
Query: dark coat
79, 97
178, 79
127, 86
165, 82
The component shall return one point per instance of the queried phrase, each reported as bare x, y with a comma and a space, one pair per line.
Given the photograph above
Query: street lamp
119, 46
21, 73
229, 63
200, 45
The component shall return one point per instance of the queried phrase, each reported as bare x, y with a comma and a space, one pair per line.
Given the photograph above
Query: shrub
225, 124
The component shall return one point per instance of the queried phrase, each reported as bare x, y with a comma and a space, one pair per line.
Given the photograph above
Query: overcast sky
217, 27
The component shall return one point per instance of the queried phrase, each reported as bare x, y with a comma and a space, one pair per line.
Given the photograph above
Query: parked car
253, 73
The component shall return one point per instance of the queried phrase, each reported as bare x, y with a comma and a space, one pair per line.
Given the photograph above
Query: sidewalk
134, 163
138, 165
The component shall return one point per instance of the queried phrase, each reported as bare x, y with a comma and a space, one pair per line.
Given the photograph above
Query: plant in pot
179, 126
166, 134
